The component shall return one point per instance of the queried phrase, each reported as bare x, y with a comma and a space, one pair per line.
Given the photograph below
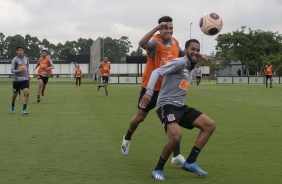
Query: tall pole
190, 29
202, 44
103, 47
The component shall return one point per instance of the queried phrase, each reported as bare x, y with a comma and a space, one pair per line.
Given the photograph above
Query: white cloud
62, 20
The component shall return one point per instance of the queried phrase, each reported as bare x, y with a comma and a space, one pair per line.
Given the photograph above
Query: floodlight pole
202, 44
103, 47
190, 29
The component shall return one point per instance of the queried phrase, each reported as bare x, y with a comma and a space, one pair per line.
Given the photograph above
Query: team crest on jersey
170, 117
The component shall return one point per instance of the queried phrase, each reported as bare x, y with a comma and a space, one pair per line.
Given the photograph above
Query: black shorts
43, 78
153, 101
105, 79
198, 77
268, 76
183, 115
20, 85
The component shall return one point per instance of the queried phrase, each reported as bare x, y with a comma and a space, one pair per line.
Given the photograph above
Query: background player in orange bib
105, 67
45, 65
78, 75
268, 72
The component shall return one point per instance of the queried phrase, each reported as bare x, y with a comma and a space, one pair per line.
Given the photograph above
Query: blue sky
67, 20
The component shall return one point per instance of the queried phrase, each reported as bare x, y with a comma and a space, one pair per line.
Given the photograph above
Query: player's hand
145, 101
162, 25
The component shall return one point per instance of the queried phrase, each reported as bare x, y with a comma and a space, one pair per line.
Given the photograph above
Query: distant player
45, 65
105, 67
198, 74
20, 69
268, 72
78, 75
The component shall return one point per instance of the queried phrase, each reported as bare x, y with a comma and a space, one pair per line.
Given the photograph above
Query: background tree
115, 49
11, 44
249, 48
138, 52
2, 45
83, 45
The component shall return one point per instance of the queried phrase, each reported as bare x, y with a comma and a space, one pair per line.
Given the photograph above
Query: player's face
167, 31
193, 52
106, 59
20, 52
44, 54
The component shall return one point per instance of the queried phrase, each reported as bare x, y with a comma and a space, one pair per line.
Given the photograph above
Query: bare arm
144, 41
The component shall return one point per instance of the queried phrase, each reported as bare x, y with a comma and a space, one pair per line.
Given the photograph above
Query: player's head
43, 53
19, 50
105, 59
167, 31
268, 63
192, 50
165, 19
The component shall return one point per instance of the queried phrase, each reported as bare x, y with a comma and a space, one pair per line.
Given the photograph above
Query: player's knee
210, 126
175, 138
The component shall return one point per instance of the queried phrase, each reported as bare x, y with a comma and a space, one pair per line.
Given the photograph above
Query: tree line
115, 49
253, 48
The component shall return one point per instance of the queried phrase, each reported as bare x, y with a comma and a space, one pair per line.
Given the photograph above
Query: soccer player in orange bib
268, 72
45, 65
78, 75
105, 67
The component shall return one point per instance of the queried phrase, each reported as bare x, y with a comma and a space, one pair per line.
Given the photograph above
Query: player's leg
103, 81
270, 81
174, 137
140, 115
134, 122
19, 94
207, 127
266, 80
14, 96
45, 81
76, 81
26, 94
40, 84
79, 81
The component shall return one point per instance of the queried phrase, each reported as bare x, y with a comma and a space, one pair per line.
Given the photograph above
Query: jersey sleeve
14, 66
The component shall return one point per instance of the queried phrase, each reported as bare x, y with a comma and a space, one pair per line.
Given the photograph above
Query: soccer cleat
158, 175
125, 146
107, 95
194, 168
24, 112
178, 160
99, 88
12, 109
42, 93
38, 100
271, 86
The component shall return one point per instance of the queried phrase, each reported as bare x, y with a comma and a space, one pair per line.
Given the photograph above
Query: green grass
73, 136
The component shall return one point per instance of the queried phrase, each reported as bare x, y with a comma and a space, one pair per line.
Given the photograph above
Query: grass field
73, 136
